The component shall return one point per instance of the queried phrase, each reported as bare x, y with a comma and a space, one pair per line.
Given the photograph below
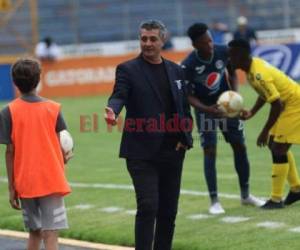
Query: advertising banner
6, 87
285, 57
96, 75
85, 75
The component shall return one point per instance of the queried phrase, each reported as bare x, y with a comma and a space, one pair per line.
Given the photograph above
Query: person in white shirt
47, 50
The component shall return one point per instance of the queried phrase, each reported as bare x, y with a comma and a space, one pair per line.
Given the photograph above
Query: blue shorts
231, 128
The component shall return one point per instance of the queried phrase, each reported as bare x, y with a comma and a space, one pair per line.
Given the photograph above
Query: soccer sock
241, 164
211, 176
279, 175
293, 177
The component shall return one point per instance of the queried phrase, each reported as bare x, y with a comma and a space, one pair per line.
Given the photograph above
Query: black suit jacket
135, 88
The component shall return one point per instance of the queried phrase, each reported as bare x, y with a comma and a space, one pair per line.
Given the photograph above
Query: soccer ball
231, 103
66, 141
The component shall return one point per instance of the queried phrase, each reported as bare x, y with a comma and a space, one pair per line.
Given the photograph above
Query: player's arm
247, 114
192, 98
276, 108
196, 103
9, 158
258, 105
5, 138
270, 93
119, 96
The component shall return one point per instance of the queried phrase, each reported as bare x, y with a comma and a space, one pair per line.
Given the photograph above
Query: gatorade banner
86, 75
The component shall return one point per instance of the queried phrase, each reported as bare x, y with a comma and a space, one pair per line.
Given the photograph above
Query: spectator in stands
218, 32
168, 45
244, 31
47, 50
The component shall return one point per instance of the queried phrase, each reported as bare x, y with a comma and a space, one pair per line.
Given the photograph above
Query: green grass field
96, 162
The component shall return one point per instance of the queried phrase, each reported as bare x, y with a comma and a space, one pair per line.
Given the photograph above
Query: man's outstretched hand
110, 116
216, 111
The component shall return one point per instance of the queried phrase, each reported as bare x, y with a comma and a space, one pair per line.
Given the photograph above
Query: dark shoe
272, 205
291, 198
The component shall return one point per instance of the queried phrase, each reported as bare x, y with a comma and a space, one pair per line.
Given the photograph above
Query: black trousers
157, 187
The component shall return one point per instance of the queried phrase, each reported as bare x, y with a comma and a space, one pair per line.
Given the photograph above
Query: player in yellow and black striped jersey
282, 128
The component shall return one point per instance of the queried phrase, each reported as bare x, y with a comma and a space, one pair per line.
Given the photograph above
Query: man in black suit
157, 131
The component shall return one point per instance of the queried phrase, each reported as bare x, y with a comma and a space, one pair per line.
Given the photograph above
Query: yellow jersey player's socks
293, 177
279, 176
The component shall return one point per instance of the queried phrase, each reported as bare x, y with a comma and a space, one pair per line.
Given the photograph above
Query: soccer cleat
216, 208
272, 205
291, 198
252, 201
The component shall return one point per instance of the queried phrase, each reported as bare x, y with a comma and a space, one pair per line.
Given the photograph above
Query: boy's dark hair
26, 74
241, 44
197, 30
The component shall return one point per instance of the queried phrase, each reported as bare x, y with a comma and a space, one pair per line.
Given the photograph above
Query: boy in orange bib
30, 127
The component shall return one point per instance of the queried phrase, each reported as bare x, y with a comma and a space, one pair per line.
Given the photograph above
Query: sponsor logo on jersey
213, 80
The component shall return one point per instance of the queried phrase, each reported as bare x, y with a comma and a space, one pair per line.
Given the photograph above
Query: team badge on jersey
219, 64
213, 80
258, 77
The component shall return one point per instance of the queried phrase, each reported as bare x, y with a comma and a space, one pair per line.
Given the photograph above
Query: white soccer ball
231, 103
66, 141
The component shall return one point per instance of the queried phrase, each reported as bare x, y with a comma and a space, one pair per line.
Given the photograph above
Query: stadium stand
89, 21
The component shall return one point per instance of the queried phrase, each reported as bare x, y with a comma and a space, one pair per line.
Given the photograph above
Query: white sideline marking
295, 230
271, 224
199, 216
234, 219
83, 206
130, 212
111, 209
103, 186
130, 187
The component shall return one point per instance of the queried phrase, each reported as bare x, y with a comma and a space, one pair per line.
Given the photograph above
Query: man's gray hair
155, 25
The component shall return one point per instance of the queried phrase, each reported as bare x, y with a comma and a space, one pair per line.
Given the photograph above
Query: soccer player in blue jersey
208, 75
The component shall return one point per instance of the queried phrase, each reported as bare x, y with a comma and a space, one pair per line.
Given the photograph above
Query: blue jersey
207, 79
